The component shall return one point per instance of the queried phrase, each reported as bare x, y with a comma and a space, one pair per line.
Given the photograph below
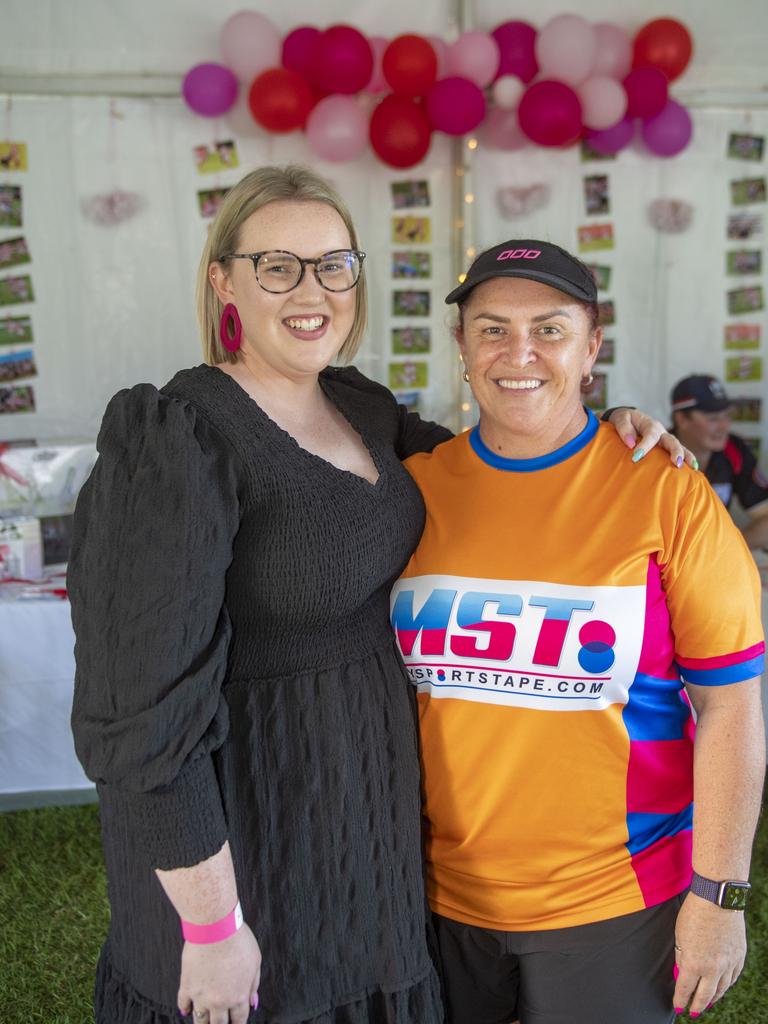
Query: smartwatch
730, 895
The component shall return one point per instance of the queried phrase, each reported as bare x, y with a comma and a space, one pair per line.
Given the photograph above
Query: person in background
561, 618
239, 697
702, 421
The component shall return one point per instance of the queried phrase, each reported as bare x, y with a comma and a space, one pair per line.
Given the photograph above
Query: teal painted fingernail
695, 462
636, 456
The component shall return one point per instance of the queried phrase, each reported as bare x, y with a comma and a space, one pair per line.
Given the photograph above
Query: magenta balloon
647, 92
455, 106
299, 49
669, 132
611, 140
614, 51
210, 89
343, 61
550, 114
337, 129
517, 49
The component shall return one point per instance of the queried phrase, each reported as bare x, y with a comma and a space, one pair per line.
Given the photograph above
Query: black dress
237, 679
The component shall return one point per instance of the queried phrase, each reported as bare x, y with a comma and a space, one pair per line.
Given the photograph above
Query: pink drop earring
230, 328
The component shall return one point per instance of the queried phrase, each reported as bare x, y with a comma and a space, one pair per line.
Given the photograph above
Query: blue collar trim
575, 445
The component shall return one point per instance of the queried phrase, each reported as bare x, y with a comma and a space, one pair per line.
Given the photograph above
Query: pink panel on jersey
659, 776
549, 646
658, 653
723, 659
664, 869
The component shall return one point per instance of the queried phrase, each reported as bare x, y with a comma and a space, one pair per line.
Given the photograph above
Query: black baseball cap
699, 392
534, 259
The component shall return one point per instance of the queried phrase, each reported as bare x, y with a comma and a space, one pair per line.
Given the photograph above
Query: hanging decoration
670, 216
568, 80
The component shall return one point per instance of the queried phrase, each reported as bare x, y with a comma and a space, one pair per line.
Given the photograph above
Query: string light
462, 278
465, 406
472, 144
469, 197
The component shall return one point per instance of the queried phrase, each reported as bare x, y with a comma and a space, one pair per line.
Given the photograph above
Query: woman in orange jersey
562, 613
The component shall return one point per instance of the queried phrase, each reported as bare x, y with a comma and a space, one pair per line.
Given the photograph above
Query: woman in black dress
239, 700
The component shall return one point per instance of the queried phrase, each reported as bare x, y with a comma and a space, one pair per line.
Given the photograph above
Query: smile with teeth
310, 323
519, 385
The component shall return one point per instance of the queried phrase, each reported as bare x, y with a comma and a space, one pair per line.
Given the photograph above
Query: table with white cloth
38, 765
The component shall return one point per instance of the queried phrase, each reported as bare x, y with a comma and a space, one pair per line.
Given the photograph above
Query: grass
53, 906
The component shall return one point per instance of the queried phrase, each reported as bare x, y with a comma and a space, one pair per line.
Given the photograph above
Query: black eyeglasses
282, 271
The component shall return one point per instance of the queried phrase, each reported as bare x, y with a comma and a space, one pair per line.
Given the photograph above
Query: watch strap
706, 888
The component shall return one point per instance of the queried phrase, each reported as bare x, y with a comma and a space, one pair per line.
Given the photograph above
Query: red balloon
280, 100
409, 65
343, 60
400, 133
299, 49
455, 105
664, 43
647, 92
550, 114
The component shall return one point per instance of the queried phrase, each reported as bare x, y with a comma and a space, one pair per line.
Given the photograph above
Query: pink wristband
202, 934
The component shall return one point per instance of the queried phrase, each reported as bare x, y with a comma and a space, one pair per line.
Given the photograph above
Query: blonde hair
267, 185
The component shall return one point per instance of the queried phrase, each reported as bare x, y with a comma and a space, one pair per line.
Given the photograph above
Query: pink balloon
249, 44
378, 82
669, 132
441, 52
337, 129
501, 130
647, 92
299, 49
343, 60
614, 50
517, 49
550, 114
474, 55
209, 89
603, 102
455, 106
566, 49
612, 140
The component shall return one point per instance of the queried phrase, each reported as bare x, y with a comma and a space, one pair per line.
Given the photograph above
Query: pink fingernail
629, 441
255, 1001
679, 1009
693, 1013
675, 972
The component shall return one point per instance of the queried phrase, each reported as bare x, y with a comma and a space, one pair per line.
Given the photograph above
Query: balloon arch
569, 81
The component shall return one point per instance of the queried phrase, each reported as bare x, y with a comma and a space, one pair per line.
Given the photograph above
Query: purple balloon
210, 89
611, 140
669, 132
517, 49
455, 106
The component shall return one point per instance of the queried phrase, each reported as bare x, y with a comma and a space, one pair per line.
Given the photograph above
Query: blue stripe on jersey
724, 673
655, 709
647, 829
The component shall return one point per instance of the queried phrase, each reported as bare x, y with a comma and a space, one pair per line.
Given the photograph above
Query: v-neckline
289, 439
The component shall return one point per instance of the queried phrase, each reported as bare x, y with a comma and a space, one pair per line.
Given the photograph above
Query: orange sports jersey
548, 619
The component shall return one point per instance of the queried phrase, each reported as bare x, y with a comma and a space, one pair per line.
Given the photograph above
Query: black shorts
603, 973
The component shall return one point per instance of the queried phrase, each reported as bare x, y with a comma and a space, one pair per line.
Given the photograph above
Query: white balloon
566, 49
250, 44
506, 91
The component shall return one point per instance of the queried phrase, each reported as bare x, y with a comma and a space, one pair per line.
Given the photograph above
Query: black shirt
735, 471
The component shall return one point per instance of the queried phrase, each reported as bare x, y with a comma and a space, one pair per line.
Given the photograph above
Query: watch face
734, 896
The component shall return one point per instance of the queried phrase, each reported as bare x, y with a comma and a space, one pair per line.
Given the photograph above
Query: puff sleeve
153, 536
